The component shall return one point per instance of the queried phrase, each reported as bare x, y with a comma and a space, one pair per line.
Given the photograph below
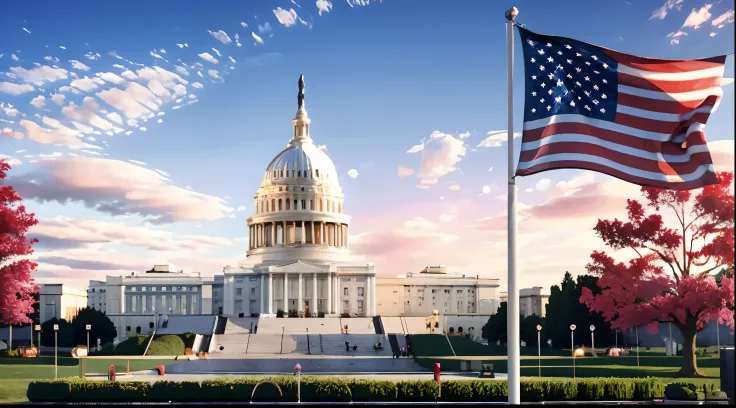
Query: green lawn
16, 373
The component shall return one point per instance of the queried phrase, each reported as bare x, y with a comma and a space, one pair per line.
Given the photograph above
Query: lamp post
637, 346
718, 337
88, 327
674, 353
56, 354
38, 333
572, 345
592, 339
539, 347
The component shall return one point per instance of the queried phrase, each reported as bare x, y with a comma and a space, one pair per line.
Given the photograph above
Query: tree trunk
689, 361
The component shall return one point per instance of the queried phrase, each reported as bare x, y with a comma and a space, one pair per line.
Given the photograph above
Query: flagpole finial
511, 13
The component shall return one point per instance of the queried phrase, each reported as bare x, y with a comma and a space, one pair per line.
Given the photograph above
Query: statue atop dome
301, 92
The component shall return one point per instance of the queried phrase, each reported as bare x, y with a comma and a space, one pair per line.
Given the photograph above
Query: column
314, 294
304, 232
347, 234
329, 294
322, 234
283, 234
263, 301
373, 295
250, 237
273, 234
367, 308
260, 235
334, 234
270, 293
336, 295
312, 227
286, 294
300, 301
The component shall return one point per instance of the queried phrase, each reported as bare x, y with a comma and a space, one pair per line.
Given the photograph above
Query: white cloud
447, 217
135, 101
182, 45
219, 54
243, 24
496, 138
258, 39
723, 19
86, 84
86, 113
696, 18
14, 57
111, 77
416, 148
242, 208
58, 99
286, 18
26, 30
39, 101
440, 154
324, 6
115, 117
668, 5
454, 187
266, 28
197, 85
404, 172
40, 75
57, 134
79, 65
486, 189
675, 37
713, 34
129, 75
208, 57
220, 36
543, 184
353, 173
15, 89
182, 70
464, 135
231, 59
214, 74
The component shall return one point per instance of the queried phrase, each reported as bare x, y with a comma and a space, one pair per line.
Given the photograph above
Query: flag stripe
598, 123
668, 86
632, 158
661, 106
649, 151
663, 116
695, 137
659, 126
662, 65
654, 173
668, 75
689, 96
708, 176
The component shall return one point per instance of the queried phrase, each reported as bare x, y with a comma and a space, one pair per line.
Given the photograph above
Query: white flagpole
512, 325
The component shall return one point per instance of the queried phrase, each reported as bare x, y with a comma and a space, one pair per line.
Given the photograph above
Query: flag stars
558, 99
569, 61
572, 103
549, 59
578, 70
594, 58
550, 76
596, 72
605, 81
569, 76
548, 107
603, 96
541, 52
549, 45
549, 92
577, 54
578, 83
560, 83
531, 43
541, 67
587, 63
542, 85
541, 100
559, 52
559, 67
605, 66
568, 46
534, 77
587, 107
587, 78
595, 87
603, 110
595, 101
534, 93
533, 60
534, 110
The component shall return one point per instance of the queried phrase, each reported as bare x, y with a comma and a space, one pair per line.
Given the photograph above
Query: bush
9, 353
132, 346
166, 345
322, 389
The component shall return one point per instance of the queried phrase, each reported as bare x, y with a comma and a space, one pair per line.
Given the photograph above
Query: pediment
300, 267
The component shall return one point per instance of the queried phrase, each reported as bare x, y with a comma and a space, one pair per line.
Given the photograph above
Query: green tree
528, 329
102, 327
65, 333
495, 329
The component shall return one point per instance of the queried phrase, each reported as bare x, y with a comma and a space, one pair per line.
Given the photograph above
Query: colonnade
284, 233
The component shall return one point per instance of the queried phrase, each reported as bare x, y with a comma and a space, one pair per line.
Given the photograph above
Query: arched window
150, 325
127, 329
287, 173
138, 330
280, 205
339, 207
316, 172
288, 207
282, 173
302, 188
273, 205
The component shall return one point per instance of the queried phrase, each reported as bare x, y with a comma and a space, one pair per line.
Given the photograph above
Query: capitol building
296, 263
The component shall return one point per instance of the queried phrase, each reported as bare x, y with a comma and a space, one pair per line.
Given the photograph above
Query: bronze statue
301, 92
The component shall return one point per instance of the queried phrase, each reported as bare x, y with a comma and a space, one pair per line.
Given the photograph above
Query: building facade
295, 263
97, 295
433, 290
532, 301
60, 301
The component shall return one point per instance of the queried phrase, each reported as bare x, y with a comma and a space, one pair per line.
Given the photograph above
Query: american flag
639, 119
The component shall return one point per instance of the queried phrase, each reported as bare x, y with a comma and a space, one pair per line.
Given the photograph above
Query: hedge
166, 345
320, 389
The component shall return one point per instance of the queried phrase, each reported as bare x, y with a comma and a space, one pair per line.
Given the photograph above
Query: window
434, 290
150, 325
238, 280
280, 201
304, 204
288, 204
316, 172
252, 291
127, 328
273, 205
360, 307
459, 291
252, 279
138, 330
346, 307
345, 291
360, 291
303, 187
239, 292
447, 291
420, 290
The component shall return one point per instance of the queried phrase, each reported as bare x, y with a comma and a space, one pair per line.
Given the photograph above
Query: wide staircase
357, 325
334, 345
299, 326
378, 325
242, 325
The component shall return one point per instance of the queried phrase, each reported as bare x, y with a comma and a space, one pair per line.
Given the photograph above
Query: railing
247, 344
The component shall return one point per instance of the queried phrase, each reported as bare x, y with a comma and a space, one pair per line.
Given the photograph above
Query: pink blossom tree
669, 279
16, 285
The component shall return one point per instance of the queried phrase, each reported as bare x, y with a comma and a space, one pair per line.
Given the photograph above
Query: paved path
149, 376
286, 365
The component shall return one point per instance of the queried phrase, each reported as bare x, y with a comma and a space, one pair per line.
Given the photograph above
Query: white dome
303, 161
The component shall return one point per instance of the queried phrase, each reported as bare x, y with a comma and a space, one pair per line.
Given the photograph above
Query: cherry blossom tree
670, 277
16, 285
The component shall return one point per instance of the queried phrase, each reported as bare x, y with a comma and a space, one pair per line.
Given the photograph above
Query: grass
16, 373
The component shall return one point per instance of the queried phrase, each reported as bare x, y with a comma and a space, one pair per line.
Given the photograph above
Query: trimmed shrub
316, 389
370, 390
164, 391
166, 345
48, 390
420, 390
228, 390
132, 346
678, 392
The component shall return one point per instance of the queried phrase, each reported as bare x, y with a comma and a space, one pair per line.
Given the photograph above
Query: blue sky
380, 77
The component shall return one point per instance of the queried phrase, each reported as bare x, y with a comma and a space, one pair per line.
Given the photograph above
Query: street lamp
539, 347
572, 346
592, 339
637, 346
88, 327
38, 333
56, 349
